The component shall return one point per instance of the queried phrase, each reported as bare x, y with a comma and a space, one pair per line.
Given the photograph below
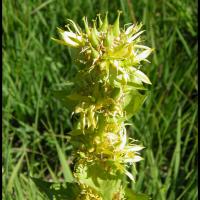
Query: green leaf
58, 191
132, 103
65, 167
135, 85
115, 93
61, 95
131, 195
96, 177
70, 101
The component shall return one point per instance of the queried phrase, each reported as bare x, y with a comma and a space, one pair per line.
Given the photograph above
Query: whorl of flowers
104, 93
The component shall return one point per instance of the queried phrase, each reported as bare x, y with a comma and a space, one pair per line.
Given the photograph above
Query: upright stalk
106, 91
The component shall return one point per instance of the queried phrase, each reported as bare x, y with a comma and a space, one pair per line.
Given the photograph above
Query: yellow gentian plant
104, 93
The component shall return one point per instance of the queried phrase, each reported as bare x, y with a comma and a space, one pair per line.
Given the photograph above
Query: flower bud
104, 26
100, 21
87, 30
94, 27
93, 37
109, 39
94, 53
116, 28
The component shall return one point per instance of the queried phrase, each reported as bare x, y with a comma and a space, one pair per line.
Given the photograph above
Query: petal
141, 46
142, 76
133, 160
129, 29
135, 148
59, 41
76, 28
134, 37
130, 175
144, 54
73, 36
68, 40
137, 158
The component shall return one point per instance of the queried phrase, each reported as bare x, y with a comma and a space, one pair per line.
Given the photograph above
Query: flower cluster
104, 93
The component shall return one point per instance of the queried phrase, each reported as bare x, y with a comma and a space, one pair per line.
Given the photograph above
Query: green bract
104, 93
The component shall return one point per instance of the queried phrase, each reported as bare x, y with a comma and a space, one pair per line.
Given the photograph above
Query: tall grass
35, 125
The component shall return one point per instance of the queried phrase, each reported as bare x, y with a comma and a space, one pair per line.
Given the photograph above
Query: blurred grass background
35, 125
